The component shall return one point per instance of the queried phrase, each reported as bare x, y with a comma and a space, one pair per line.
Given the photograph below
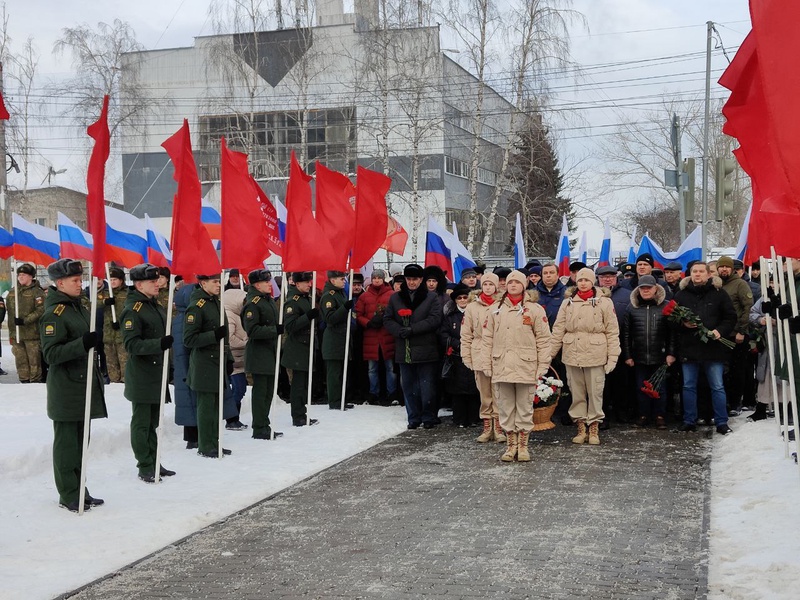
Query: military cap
335, 274
301, 276
28, 269
144, 272
65, 267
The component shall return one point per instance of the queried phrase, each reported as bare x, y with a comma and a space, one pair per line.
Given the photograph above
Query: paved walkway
431, 514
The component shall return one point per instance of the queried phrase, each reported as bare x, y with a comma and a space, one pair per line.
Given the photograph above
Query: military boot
594, 434
522, 449
582, 436
487, 435
499, 434
511, 447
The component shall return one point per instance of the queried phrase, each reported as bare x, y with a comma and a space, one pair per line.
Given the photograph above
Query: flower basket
545, 407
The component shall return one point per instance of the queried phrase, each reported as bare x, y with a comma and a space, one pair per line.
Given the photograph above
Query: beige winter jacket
588, 330
472, 332
233, 300
516, 341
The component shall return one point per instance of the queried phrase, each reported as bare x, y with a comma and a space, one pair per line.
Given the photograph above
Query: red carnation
404, 312
669, 308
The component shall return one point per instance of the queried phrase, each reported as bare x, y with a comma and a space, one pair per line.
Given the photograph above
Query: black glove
348, 304
115, 325
108, 302
19, 321
220, 332
785, 311
91, 339
405, 332
794, 325
279, 328
767, 308
313, 314
166, 342
376, 322
229, 368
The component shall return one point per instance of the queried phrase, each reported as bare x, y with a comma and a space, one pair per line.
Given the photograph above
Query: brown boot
522, 446
511, 447
594, 434
487, 435
582, 436
499, 434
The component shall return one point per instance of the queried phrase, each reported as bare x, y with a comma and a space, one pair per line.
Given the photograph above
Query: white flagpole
275, 397
311, 347
770, 342
793, 299
783, 338
87, 411
347, 343
164, 380
111, 295
14, 267
220, 428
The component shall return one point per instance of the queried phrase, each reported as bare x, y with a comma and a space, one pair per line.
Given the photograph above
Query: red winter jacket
367, 306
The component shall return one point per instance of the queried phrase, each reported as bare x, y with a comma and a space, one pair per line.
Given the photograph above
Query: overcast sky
618, 31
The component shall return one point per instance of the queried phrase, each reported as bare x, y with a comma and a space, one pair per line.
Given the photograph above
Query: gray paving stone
432, 514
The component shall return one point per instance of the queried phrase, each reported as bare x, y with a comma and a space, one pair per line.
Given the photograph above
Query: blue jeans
419, 389
375, 380
238, 388
713, 372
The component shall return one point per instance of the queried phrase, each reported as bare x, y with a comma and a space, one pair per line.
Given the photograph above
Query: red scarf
515, 300
488, 300
586, 295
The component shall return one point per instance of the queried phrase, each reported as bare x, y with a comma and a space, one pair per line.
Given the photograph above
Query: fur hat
117, 273
413, 270
358, 278
143, 272
586, 273
502, 272
301, 276
64, 267
28, 269
460, 290
259, 275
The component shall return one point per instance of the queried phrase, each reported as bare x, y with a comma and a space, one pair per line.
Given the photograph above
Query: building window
41, 221
459, 168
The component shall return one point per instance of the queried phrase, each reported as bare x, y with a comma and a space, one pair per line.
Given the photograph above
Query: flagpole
786, 352
87, 411
793, 299
347, 342
111, 295
220, 428
311, 346
275, 397
14, 267
770, 343
164, 380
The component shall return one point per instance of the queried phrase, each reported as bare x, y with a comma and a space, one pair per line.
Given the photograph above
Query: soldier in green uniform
144, 331
113, 344
201, 335
335, 310
163, 286
260, 321
26, 349
298, 320
66, 340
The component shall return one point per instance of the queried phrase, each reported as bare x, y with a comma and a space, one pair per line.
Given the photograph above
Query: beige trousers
515, 405
586, 385
486, 390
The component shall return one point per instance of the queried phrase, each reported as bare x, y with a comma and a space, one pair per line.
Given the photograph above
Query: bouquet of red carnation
652, 386
676, 313
405, 314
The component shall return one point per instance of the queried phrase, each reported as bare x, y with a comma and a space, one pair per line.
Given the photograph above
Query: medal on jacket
526, 318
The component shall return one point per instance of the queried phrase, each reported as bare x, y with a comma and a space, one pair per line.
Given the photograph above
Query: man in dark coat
413, 317
298, 320
260, 321
202, 333
144, 333
335, 310
185, 398
703, 295
66, 341
644, 266
551, 292
742, 298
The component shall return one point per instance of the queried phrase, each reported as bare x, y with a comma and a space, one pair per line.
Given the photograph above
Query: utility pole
704, 224
675, 135
3, 181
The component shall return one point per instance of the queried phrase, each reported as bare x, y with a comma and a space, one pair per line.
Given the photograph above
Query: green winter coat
259, 318
62, 327
109, 333
202, 317
297, 326
333, 311
31, 309
143, 322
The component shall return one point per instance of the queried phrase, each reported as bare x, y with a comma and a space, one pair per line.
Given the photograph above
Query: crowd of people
629, 344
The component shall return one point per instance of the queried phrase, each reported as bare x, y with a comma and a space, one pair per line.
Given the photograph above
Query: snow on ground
755, 516
45, 551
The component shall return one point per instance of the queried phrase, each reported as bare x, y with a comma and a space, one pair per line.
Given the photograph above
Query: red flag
4, 116
244, 229
335, 212
307, 247
192, 251
372, 220
396, 238
95, 178
270, 214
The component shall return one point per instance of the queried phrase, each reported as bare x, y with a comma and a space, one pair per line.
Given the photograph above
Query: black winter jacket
646, 335
460, 380
419, 339
715, 309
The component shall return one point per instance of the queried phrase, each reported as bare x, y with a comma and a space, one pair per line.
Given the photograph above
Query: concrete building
339, 92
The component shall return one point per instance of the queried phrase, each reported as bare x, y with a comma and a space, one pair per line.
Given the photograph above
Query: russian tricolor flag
281, 210
519, 246
605, 249
126, 238
562, 251
211, 220
158, 250
741, 245
689, 250
75, 242
632, 249
437, 250
34, 243
583, 249
460, 256
6, 244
